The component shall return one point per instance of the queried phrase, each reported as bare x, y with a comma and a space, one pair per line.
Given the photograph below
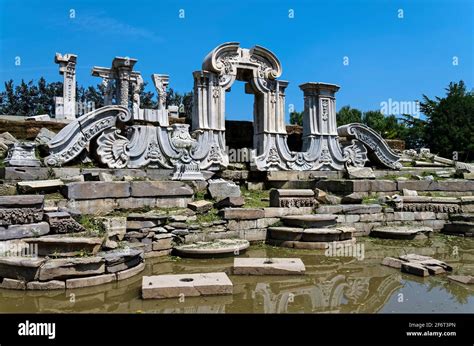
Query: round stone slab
285, 233
325, 234
310, 245
216, 248
402, 232
310, 221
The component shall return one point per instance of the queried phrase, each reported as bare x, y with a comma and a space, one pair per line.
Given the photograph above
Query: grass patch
253, 198
93, 226
210, 216
53, 196
370, 199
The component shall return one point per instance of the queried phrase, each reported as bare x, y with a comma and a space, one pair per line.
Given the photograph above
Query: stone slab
242, 213
46, 286
219, 247
55, 269
90, 281
96, 189
22, 201
36, 186
309, 221
185, 285
200, 206
160, 189
464, 279
268, 266
392, 262
65, 246
285, 233
128, 273
414, 268
24, 231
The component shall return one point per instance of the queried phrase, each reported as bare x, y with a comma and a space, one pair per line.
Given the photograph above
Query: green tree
348, 115
450, 122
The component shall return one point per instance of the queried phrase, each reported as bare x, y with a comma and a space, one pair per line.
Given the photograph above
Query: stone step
402, 232
65, 246
310, 221
285, 233
326, 234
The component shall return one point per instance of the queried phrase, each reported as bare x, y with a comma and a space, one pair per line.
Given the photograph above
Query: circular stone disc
216, 248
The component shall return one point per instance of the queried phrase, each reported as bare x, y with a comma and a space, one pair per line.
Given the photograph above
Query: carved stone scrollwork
355, 154
378, 149
75, 137
112, 149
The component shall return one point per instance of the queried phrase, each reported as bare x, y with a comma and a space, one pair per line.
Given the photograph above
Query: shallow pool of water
331, 285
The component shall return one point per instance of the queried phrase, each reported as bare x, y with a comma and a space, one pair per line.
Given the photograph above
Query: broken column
66, 105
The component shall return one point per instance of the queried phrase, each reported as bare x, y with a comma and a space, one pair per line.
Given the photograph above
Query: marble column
67, 68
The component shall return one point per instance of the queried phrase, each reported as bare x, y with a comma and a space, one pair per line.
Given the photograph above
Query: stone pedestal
22, 155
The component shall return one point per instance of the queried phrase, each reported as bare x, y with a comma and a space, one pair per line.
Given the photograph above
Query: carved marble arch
228, 61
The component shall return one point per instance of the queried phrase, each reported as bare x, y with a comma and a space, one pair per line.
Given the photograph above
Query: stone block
200, 207
22, 201
46, 286
382, 185
12, 284
185, 285
160, 189
242, 213
66, 268
128, 273
65, 246
414, 268
375, 217
424, 215
268, 266
90, 281
24, 174
292, 198
392, 262
37, 186
361, 208
24, 231
403, 216
93, 206
255, 234
237, 225
309, 221
96, 189
232, 202
279, 212
20, 268
220, 189
329, 209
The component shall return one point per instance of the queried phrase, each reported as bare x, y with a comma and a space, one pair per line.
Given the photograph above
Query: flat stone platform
268, 266
185, 285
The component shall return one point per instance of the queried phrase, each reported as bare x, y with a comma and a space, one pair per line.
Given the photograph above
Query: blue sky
389, 57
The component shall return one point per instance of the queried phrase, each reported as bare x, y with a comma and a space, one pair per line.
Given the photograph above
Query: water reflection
331, 285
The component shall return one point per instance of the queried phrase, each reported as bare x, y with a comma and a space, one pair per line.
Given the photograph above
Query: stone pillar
319, 125
161, 82
136, 87
123, 69
108, 91
67, 68
319, 117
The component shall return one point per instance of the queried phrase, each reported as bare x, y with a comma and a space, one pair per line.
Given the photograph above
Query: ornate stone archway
260, 68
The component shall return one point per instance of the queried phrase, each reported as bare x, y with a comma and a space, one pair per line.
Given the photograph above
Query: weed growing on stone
255, 198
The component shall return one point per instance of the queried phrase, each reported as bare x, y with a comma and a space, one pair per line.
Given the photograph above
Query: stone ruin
123, 135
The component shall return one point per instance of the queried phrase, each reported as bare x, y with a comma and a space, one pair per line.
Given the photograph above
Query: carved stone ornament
378, 149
